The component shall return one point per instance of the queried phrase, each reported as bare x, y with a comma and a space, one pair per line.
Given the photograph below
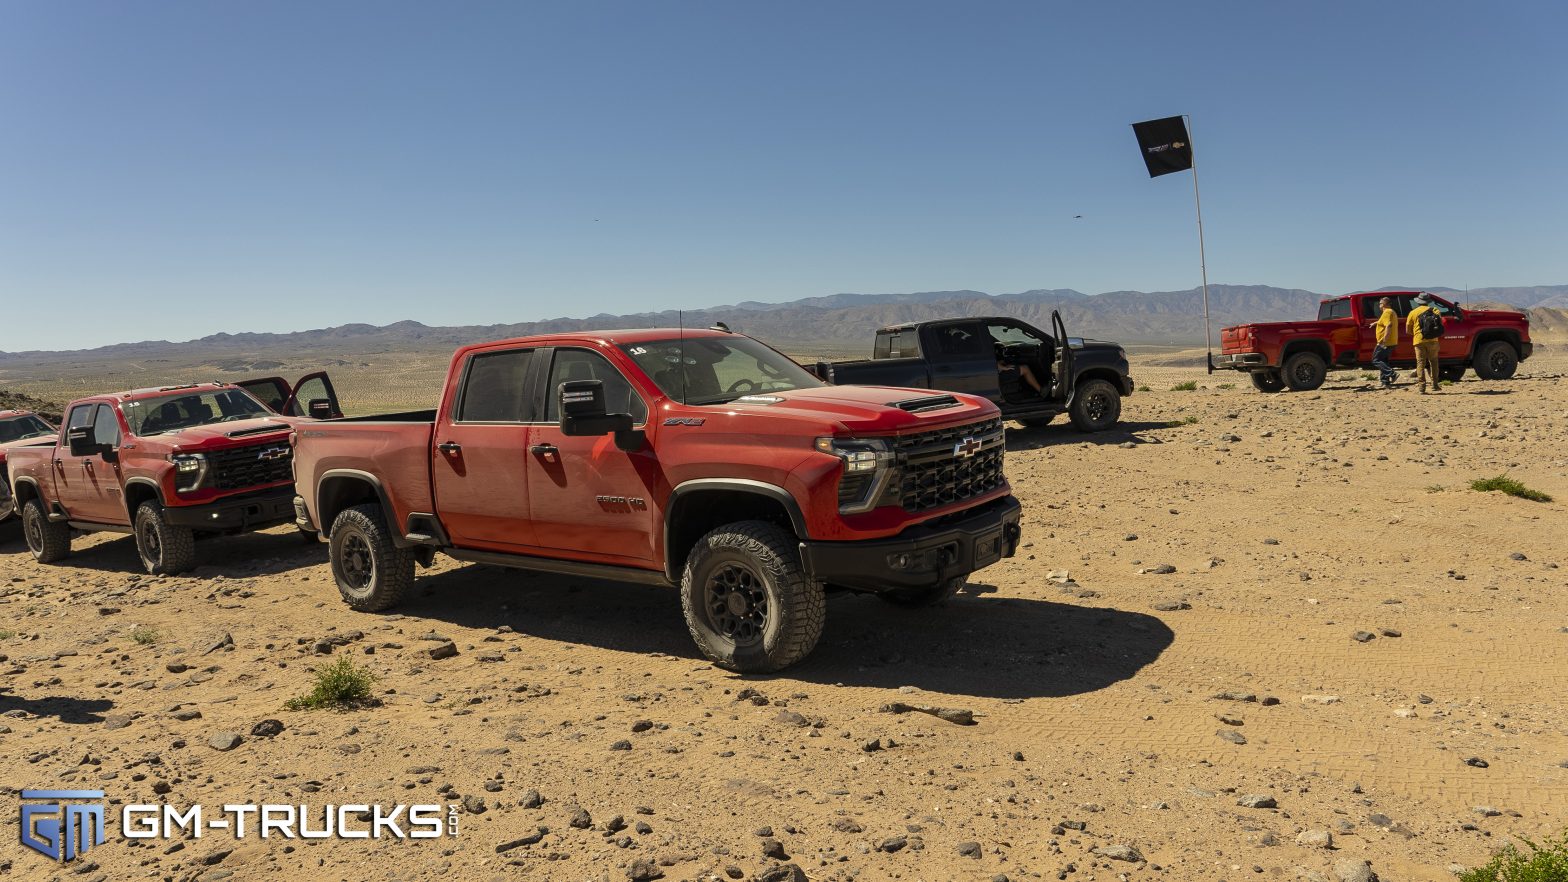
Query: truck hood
865, 409
217, 435
26, 442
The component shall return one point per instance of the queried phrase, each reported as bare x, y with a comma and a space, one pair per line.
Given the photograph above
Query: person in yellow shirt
1387, 336
1426, 348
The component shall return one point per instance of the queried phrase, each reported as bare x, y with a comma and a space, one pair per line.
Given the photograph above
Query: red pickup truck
1298, 355
701, 459
18, 428
164, 464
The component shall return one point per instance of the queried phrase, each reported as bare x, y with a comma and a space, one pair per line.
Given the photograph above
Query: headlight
867, 464
190, 469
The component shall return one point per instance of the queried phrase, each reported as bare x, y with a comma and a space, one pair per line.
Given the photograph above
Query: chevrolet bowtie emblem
966, 448
273, 453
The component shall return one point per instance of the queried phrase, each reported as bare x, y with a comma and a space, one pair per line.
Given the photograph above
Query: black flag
1165, 145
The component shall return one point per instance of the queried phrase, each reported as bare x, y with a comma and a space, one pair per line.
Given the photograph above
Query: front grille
932, 473
253, 465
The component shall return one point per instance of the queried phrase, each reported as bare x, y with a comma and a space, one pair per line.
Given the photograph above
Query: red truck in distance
699, 459
165, 464
1298, 355
18, 428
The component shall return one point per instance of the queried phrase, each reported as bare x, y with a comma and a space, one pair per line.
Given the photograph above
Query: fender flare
797, 518
375, 484
157, 490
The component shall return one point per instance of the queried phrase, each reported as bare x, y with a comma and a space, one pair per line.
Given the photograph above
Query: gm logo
60, 829
272, 454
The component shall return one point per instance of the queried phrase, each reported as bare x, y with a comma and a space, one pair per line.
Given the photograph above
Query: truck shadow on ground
242, 556
66, 710
975, 644
1053, 436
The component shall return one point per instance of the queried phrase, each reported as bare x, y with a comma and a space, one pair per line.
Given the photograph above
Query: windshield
181, 410
713, 370
23, 427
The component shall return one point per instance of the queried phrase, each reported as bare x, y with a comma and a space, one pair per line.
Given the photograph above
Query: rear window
902, 343
1334, 309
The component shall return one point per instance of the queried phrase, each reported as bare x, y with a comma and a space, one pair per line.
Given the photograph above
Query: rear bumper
252, 511
1241, 361
921, 556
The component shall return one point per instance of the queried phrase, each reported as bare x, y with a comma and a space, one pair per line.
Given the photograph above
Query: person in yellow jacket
1386, 335
1426, 349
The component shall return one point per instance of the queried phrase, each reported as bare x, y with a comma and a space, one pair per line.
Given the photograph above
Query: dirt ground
1290, 522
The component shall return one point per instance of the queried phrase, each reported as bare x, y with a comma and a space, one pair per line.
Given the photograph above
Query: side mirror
319, 409
80, 440
582, 414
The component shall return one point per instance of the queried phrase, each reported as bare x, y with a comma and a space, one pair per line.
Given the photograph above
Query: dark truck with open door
1031, 375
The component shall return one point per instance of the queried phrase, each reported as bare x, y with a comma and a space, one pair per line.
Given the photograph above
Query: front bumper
921, 556
1127, 385
1241, 361
252, 511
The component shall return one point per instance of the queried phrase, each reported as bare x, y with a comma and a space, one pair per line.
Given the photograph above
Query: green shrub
7, 633
338, 684
1505, 484
1144, 389
1542, 864
1227, 386
1434, 488
146, 635
1189, 386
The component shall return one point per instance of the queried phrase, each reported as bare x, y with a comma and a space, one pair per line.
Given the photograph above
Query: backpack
1431, 324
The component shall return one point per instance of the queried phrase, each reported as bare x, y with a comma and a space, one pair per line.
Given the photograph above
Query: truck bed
395, 448
909, 373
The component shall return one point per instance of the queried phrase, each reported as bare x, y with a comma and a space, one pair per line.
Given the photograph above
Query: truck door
1405, 352
480, 463
961, 358
1367, 328
88, 486
274, 392
313, 396
1458, 330
588, 497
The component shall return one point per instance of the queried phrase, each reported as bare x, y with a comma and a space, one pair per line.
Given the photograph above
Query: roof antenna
680, 319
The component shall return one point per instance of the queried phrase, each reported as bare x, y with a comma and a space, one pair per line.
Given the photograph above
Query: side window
106, 427
1336, 309
495, 390
581, 364
81, 415
961, 341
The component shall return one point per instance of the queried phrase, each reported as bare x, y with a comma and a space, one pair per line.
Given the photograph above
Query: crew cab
18, 428
166, 464
1086, 379
699, 459
1298, 355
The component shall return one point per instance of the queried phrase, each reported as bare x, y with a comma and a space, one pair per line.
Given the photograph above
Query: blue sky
173, 170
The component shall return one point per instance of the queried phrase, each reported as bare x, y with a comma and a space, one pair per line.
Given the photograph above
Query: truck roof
13, 413
948, 321
615, 337
1372, 294
151, 391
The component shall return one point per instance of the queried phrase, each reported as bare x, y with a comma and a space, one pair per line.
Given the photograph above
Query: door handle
544, 449
449, 447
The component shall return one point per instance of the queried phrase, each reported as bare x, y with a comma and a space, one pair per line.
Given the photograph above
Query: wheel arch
697, 506
1315, 345
340, 489
26, 490
138, 491
1507, 335
1100, 372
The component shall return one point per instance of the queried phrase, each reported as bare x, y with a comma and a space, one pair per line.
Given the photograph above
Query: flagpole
1203, 262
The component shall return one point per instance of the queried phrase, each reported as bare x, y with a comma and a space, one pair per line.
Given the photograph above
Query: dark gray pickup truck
1031, 375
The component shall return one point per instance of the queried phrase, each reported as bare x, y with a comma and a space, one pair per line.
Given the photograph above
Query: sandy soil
1291, 522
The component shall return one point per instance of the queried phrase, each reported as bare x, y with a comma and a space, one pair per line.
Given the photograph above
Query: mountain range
846, 322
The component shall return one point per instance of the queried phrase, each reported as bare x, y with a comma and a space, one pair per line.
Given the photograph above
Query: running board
560, 567
90, 527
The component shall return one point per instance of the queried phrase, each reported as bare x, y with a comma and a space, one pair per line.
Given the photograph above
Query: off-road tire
1096, 406
764, 560
915, 598
371, 572
164, 548
1304, 371
1036, 422
1452, 373
48, 541
1496, 360
1267, 381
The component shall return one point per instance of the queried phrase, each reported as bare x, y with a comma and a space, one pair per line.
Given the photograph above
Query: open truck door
311, 396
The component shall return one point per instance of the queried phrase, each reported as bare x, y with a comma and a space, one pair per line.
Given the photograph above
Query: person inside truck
1014, 376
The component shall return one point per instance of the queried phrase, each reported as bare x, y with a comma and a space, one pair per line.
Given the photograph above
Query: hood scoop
928, 402
256, 430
